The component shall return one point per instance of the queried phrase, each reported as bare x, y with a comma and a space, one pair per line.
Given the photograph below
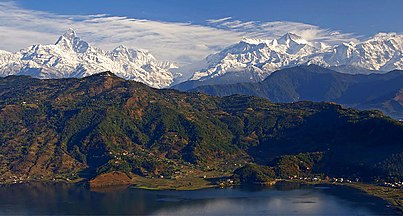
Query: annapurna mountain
71, 56
252, 60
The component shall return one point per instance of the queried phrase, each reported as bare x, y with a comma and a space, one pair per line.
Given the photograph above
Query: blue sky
185, 31
364, 17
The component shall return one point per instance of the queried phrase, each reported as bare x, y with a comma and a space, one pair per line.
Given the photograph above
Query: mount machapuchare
375, 91
71, 56
81, 128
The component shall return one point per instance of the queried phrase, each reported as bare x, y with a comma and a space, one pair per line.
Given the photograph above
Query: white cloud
219, 20
178, 42
271, 30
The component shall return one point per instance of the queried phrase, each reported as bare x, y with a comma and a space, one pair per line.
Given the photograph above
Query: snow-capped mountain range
383, 52
71, 56
248, 60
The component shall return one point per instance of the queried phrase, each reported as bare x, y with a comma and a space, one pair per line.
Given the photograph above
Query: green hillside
85, 127
314, 83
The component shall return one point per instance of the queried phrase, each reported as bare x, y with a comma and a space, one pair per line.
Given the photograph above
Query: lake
282, 199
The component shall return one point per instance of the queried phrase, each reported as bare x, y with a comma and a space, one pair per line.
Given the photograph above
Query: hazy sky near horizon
187, 30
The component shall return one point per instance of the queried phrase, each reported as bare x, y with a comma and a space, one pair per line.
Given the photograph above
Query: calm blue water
285, 199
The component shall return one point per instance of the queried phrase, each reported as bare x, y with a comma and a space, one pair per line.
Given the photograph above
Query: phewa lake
282, 199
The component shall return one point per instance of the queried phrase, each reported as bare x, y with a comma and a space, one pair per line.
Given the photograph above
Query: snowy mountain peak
384, 35
138, 56
120, 48
70, 40
383, 52
71, 56
254, 41
70, 34
67, 38
290, 37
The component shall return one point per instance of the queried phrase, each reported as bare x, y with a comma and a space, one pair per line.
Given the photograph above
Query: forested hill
314, 83
85, 127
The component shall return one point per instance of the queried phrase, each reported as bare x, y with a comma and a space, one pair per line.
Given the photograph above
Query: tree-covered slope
315, 83
85, 127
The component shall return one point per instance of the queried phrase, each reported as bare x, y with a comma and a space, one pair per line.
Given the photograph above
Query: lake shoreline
282, 199
393, 196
